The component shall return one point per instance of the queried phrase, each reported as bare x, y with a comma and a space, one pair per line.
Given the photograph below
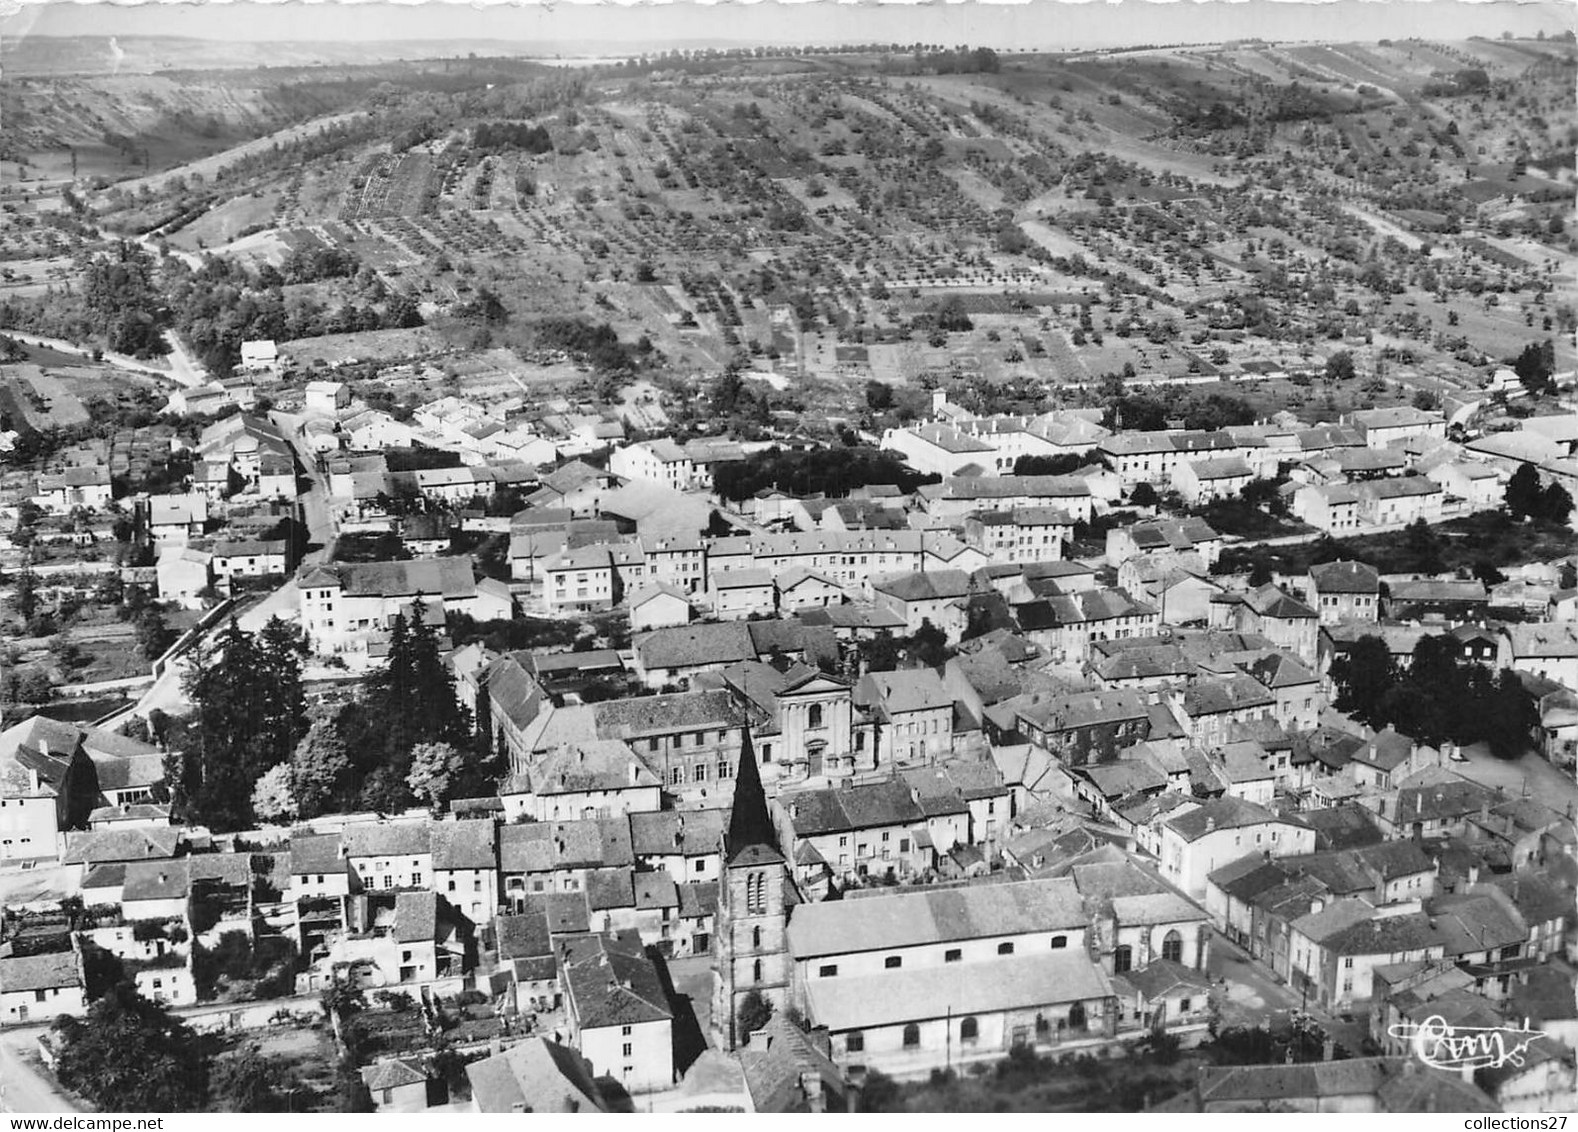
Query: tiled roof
1346, 578
921, 993
611, 982
846, 808
387, 839
416, 917
934, 916
20, 974
463, 845
536, 1076
1218, 814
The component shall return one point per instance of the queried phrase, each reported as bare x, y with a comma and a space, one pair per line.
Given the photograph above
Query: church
908, 979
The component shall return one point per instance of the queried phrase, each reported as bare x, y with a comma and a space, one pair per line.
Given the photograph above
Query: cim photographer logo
1443, 1046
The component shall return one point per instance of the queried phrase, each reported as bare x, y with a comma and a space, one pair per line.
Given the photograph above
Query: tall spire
749, 822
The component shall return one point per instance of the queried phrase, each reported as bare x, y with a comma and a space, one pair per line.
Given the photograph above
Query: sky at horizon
1037, 24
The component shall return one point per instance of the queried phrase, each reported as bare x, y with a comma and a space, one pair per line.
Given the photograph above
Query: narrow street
22, 1088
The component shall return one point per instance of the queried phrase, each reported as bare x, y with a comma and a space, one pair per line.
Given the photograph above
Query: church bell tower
751, 946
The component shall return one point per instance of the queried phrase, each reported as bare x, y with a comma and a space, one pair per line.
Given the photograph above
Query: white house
658, 605
259, 355
743, 593
327, 397
1196, 843
658, 461
1201, 481
38, 988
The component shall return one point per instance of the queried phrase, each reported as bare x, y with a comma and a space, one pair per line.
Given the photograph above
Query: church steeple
750, 824
751, 952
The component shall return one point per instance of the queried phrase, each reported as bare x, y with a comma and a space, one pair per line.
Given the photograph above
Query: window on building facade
969, 1030
1122, 959
1172, 947
911, 1036
1059, 942
893, 962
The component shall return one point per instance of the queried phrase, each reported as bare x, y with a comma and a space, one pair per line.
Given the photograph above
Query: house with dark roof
537, 1075
674, 656
1076, 728
554, 857
1273, 613
409, 937
1202, 481
466, 867
1164, 995
396, 1084
1345, 591
1370, 1084
1451, 600
616, 1011
390, 854
1067, 626
595, 778
683, 843
39, 988
1348, 826
1391, 757
1337, 947
690, 740
937, 596
867, 830
353, 604
526, 947
1179, 539
1209, 707
1436, 809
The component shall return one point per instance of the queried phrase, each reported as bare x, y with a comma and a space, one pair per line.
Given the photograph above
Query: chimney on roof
1210, 824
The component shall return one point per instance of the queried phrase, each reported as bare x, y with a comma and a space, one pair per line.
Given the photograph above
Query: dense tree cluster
832, 472
126, 302
249, 712
1437, 697
1535, 366
131, 1055
501, 137
597, 344
118, 304
407, 736
222, 304
1527, 499
1144, 412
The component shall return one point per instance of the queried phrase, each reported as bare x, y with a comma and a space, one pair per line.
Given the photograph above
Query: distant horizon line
18, 41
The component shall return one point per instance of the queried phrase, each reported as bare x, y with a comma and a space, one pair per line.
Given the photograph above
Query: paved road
1531, 774
120, 361
22, 1089
184, 369
318, 514
1252, 995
